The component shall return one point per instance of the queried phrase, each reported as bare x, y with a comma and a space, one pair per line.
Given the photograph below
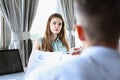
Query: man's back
94, 63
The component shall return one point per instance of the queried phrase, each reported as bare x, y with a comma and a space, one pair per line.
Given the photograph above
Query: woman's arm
36, 45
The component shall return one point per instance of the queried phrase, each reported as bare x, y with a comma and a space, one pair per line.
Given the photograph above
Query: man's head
100, 20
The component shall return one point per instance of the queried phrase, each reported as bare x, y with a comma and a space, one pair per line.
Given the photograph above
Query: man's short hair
102, 17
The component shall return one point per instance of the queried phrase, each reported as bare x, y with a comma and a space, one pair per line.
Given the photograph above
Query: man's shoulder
66, 65
62, 69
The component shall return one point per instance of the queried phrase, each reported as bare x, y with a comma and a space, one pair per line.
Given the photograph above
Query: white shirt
94, 63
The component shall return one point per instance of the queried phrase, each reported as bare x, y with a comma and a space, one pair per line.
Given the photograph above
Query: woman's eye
54, 23
59, 24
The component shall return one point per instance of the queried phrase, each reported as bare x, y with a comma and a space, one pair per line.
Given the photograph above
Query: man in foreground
100, 60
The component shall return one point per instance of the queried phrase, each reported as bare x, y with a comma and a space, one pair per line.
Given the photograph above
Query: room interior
22, 21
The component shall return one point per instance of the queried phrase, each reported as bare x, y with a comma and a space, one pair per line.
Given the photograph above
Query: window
45, 9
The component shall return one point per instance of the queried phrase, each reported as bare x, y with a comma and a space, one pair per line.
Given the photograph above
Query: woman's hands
75, 50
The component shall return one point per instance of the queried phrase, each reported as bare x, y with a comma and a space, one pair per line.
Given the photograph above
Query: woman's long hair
46, 41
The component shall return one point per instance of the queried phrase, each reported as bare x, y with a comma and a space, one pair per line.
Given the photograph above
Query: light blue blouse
57, 45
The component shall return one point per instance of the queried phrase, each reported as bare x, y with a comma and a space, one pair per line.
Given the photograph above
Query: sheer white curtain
40, 20
68, 11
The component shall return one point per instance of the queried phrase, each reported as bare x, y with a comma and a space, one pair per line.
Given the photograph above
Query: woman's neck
54, 37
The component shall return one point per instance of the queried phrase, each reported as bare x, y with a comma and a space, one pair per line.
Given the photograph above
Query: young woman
55, 36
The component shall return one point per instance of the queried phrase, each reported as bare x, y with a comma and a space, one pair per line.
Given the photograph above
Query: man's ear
80, 32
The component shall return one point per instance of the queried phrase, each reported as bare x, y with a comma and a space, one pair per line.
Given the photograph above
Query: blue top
94, 63
57, 45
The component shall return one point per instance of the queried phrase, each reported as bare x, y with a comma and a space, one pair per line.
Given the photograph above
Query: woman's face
56, 25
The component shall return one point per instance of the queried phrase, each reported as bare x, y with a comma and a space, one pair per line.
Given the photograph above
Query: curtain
18, 15
68, 12
29, 11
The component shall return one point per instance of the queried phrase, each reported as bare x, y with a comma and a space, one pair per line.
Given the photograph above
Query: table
13, 76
